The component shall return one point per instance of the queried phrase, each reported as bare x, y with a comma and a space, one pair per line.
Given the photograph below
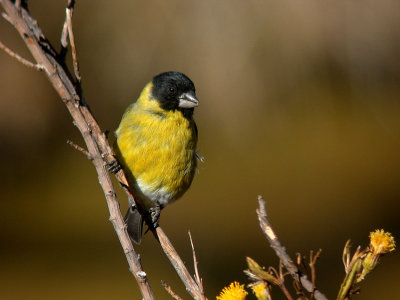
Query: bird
156, 147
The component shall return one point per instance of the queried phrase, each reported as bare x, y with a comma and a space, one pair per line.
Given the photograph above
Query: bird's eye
172, 90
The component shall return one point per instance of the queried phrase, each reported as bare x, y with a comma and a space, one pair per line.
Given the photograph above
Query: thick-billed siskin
156, 146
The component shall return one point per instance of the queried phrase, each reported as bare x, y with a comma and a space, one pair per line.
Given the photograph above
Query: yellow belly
157, 151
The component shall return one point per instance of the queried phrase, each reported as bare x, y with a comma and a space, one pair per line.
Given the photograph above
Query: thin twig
312, 267
80, 149
68, 34
281, 252
313, 261
197, 277
64, 32
73, 46
301, 263
280, 278
169, 250
299, 290
20, 59
282, 282
170, 291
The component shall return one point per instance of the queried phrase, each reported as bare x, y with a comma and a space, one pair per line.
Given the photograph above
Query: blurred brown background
299, 103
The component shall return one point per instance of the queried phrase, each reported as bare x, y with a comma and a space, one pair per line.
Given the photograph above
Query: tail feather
134, 223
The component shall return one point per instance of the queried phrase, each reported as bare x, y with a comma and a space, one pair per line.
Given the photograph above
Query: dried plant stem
169, 250
285, 291
347, 284
72, 41
281, 279
170, 291
197, 277
281, 252
313, 261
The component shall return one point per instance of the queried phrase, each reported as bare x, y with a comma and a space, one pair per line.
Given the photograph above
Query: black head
175, 91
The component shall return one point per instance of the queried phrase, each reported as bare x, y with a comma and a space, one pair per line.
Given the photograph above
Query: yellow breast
157, 150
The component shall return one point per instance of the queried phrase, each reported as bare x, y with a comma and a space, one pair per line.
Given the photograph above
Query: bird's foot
114, 166
154, 214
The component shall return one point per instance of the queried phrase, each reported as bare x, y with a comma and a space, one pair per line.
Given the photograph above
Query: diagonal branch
96, 141
281, 252
61, 80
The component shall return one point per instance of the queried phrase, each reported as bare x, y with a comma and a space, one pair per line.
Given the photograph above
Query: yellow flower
381, 242
260, 290
234, 292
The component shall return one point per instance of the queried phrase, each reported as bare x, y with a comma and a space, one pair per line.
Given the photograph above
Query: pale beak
188, 100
